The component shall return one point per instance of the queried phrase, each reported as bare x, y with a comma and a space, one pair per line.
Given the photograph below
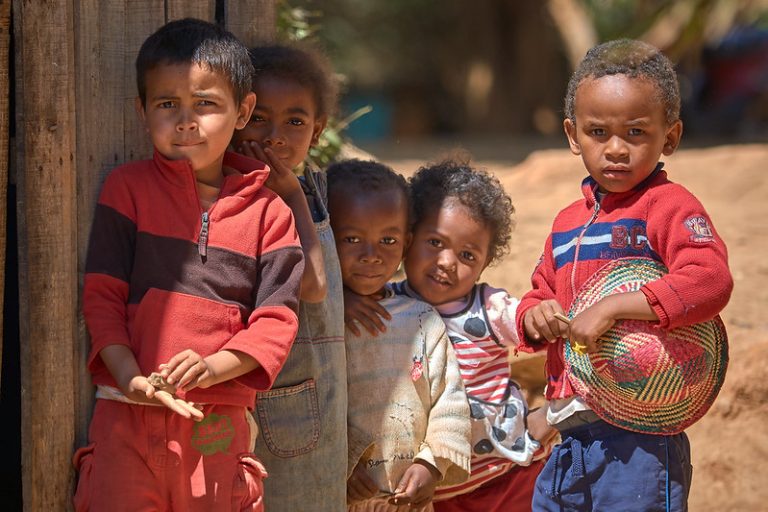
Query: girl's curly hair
478, 190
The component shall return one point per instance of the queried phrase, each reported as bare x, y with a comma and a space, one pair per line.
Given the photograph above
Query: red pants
148, 458
510, 492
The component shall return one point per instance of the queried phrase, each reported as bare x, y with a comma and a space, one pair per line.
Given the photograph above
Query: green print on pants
213, 434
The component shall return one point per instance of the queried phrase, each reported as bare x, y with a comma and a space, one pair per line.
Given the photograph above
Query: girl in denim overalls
302, 419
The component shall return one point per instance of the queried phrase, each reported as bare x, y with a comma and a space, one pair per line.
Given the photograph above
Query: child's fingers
351, 325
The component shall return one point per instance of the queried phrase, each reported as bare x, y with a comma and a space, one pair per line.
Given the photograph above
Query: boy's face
371, 235
620, 130
285, 119
450, 250
190, 114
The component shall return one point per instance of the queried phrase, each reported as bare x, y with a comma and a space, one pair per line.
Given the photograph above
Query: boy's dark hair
302, 64
479, 191
634, 59
196, 42
350, 177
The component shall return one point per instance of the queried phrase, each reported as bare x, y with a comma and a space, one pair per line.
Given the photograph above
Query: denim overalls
303, 419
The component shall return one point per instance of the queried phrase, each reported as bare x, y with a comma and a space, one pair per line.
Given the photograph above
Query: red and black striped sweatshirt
163, 276
657, 219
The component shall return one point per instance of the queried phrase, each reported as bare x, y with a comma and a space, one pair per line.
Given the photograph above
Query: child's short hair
302, 64
199, 42
479, 191
353, 176
634, 59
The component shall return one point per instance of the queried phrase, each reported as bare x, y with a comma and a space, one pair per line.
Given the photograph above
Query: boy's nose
616, 147
186, 123
369, 255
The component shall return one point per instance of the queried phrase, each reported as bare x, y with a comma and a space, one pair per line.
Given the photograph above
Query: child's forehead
181, 76
602, 90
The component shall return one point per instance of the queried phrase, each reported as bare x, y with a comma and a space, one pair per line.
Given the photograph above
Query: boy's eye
351, 239
256, 119
165, 104
468, 256
296, 122
388, 240
635, 131
205, 103
598, 132
434, 242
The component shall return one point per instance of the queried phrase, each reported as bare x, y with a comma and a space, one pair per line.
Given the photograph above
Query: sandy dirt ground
730, 444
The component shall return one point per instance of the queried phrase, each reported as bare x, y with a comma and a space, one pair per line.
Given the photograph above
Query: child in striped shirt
462, 224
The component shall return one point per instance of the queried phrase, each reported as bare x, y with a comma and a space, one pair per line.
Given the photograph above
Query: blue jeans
303, 418
599, 467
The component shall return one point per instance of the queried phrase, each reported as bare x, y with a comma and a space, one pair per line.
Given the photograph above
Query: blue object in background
374, 125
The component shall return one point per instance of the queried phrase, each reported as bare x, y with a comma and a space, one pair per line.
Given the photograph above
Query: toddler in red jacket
621, 114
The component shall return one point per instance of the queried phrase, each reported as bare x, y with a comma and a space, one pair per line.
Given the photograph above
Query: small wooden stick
578, 347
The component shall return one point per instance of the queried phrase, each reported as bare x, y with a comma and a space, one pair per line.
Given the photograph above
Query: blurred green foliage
295, 24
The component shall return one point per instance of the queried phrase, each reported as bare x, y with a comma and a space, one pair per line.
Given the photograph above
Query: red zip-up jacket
163, 276
658, 219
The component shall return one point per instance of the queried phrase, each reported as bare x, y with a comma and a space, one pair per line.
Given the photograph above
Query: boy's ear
141, 112
570, 131
245, 110
672, 140
318, 128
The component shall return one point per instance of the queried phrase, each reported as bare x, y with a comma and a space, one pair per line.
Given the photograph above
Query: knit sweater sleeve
699, 283
542, 288
272, 325
447, 441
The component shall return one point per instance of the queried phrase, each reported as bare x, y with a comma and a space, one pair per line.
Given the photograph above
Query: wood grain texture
47, 250
201, 9
5, 43
252, 21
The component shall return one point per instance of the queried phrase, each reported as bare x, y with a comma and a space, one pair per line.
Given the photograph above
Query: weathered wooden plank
47, 249
99, 46
142, 17
5, 41
201, 9
252, 21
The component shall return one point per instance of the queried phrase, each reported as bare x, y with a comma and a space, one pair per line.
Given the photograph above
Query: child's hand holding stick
578, 347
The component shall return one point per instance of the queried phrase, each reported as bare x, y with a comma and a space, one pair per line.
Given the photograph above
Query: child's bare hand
538, 428
360, 486
140, 389
281, 179
186, 370
417, 487
540, 323
587, 327
365, 311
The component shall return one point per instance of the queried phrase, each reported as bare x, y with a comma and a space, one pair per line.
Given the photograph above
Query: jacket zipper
591, 220
202, 240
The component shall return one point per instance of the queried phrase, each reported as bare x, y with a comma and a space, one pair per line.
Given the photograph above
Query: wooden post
5, 41
47, 249
251, 21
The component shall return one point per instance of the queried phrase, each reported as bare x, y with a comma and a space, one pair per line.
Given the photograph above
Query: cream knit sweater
406, 398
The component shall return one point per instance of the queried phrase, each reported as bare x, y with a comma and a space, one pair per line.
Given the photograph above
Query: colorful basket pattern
643, 378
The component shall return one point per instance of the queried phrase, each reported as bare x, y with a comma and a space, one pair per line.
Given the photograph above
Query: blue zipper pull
202, 240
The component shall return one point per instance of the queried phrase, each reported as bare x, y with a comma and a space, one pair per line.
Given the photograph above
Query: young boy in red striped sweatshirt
622, 113
193, 273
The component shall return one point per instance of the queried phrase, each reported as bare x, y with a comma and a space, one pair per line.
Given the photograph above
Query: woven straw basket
643, 378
